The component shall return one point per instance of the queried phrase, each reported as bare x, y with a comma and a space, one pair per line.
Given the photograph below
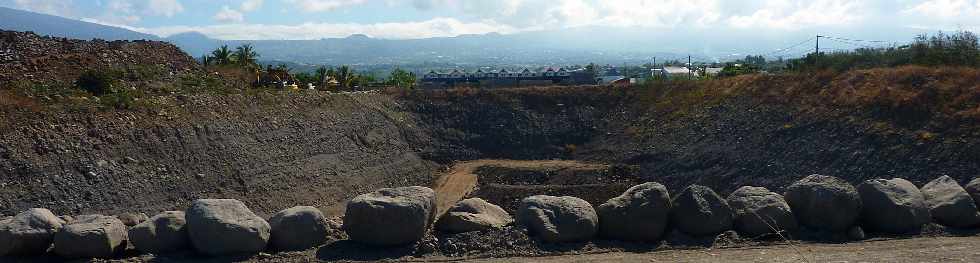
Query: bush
97, 82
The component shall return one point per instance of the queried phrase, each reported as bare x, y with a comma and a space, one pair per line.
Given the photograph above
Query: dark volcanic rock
558, 219
226, 227
893, 206
298, 228
759, 212
390, 216
163, 233
824, 203
950, 204
639, 214
93, 236
473, 214
29, 233
699, 211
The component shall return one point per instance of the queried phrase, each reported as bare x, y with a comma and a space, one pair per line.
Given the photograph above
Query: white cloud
251, 5
943, 15
792, 16
167, 8
51, 7
322, 5
436, 27
228, 15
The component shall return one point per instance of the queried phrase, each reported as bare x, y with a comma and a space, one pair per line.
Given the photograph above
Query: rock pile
403, 216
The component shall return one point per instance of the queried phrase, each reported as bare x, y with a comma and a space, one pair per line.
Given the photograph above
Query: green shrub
97, 82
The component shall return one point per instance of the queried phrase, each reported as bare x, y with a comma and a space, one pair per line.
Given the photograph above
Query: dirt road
461, 180
928, 249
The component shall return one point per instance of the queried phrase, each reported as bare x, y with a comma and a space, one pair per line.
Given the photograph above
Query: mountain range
582, 45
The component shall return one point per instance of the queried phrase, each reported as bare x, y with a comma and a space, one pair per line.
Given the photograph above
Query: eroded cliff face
272, 152
281, 149
914, 123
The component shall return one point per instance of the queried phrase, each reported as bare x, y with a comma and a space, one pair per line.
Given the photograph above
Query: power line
782, 50
857, 40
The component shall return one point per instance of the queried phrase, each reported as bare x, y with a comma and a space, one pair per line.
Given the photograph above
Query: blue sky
403, 19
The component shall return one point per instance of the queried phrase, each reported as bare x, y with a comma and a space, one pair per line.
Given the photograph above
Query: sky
409, 19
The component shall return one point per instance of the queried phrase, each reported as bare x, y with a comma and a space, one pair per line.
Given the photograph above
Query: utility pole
818, 45
689, 65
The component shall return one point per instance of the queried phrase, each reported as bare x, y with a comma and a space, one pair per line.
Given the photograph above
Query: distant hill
55, 26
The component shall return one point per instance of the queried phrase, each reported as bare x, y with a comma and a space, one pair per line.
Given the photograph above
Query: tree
346, 76
321, 75
206, 60
222, 55
246, 56
401, 78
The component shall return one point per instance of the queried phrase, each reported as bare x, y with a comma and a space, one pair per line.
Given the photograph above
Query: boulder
892, 206
298, 228
558, 219
473, 214
29, 233
390, 216
950, 204
760, 212
824, 203
93, 236
639, 214
226, 227
699, 211
161, 234
973, 188
132, 219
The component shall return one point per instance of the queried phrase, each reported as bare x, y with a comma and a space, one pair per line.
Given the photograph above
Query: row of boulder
210, 226
646, 212
402, 216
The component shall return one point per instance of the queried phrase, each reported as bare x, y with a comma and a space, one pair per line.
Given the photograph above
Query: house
712, 71
606, 80
668, 72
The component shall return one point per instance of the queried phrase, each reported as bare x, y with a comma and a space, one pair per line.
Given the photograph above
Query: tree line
342, 78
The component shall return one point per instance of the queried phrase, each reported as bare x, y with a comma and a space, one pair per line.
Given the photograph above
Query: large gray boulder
824, 203
299, 228
950, 204
892, 206
699, 211
760, 212
390, 216
92, 236
161, 234
639, 214
226, 227
973, 188
474, 214
29, 233
558, 219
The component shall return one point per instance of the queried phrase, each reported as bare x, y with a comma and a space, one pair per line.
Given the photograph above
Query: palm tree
222, 55
246, 55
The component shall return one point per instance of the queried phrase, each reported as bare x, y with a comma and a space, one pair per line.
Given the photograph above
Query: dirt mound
25, 56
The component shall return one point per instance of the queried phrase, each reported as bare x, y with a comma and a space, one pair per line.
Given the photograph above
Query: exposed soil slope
915, 123
270, 151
